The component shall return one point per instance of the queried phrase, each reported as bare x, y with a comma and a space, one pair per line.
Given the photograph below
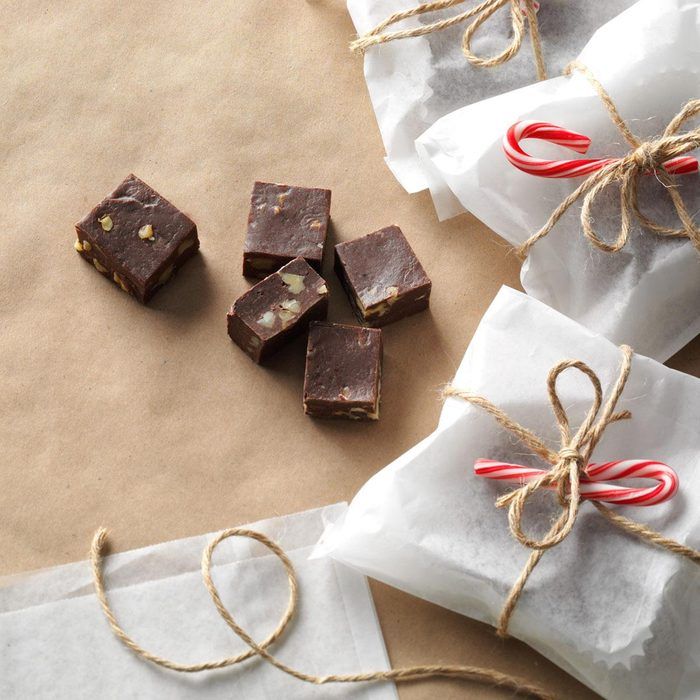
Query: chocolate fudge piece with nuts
276, 309
137, 238
382, 276
343, 372
284, 223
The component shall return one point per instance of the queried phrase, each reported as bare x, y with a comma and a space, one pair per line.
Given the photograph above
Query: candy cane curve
579, 143
595, 482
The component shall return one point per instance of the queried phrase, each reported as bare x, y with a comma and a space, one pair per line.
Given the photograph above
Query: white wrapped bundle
648, 293
413, 82
614, 611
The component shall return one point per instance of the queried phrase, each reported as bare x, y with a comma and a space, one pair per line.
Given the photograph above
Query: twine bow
567, 466
645, 157
570, 461
481, 12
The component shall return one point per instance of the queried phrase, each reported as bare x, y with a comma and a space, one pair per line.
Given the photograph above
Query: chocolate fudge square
284, 223
137, 238
382, 276
343, 372
276, 309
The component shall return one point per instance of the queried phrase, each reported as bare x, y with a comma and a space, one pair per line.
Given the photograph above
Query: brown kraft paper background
149, 420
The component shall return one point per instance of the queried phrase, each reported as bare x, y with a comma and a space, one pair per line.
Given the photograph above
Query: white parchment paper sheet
647, 295
413, 82
621, 616
56, 642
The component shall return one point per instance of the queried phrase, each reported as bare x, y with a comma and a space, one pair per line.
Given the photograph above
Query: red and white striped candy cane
574, 142
595, 483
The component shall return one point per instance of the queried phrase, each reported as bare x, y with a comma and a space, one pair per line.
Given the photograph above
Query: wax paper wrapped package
617, 613
648, 293
57, 644
413, 82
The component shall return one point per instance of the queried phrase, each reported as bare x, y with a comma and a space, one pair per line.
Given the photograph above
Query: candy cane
574, 142
595, 483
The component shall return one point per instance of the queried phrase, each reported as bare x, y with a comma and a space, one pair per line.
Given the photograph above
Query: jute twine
481, 12
646, 157
567, 466
399, 675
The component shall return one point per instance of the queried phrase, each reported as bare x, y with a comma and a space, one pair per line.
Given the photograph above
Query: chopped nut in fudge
275, 310
343, 372
137, 238
284, 223
382, 276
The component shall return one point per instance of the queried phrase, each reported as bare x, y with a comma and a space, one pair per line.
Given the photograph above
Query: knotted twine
567, 466
646, 157
482, 12
398, 675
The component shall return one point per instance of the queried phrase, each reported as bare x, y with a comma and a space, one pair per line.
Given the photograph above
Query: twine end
501, 633
521, 252
504, 500
360, 44
447, 391
99, 540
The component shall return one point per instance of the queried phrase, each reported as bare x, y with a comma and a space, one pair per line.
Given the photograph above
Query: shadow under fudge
189, 293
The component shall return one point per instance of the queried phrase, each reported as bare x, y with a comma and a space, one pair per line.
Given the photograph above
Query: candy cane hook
574, 142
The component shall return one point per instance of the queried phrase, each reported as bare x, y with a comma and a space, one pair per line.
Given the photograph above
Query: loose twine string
567, 465
399, 675
646, 157
482, 12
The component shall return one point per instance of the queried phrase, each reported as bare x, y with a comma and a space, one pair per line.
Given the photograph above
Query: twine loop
567, 466
644, 157
260, 649
479, 14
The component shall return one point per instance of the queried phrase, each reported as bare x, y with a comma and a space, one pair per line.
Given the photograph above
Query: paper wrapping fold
413, 82
619, 615
647, 60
